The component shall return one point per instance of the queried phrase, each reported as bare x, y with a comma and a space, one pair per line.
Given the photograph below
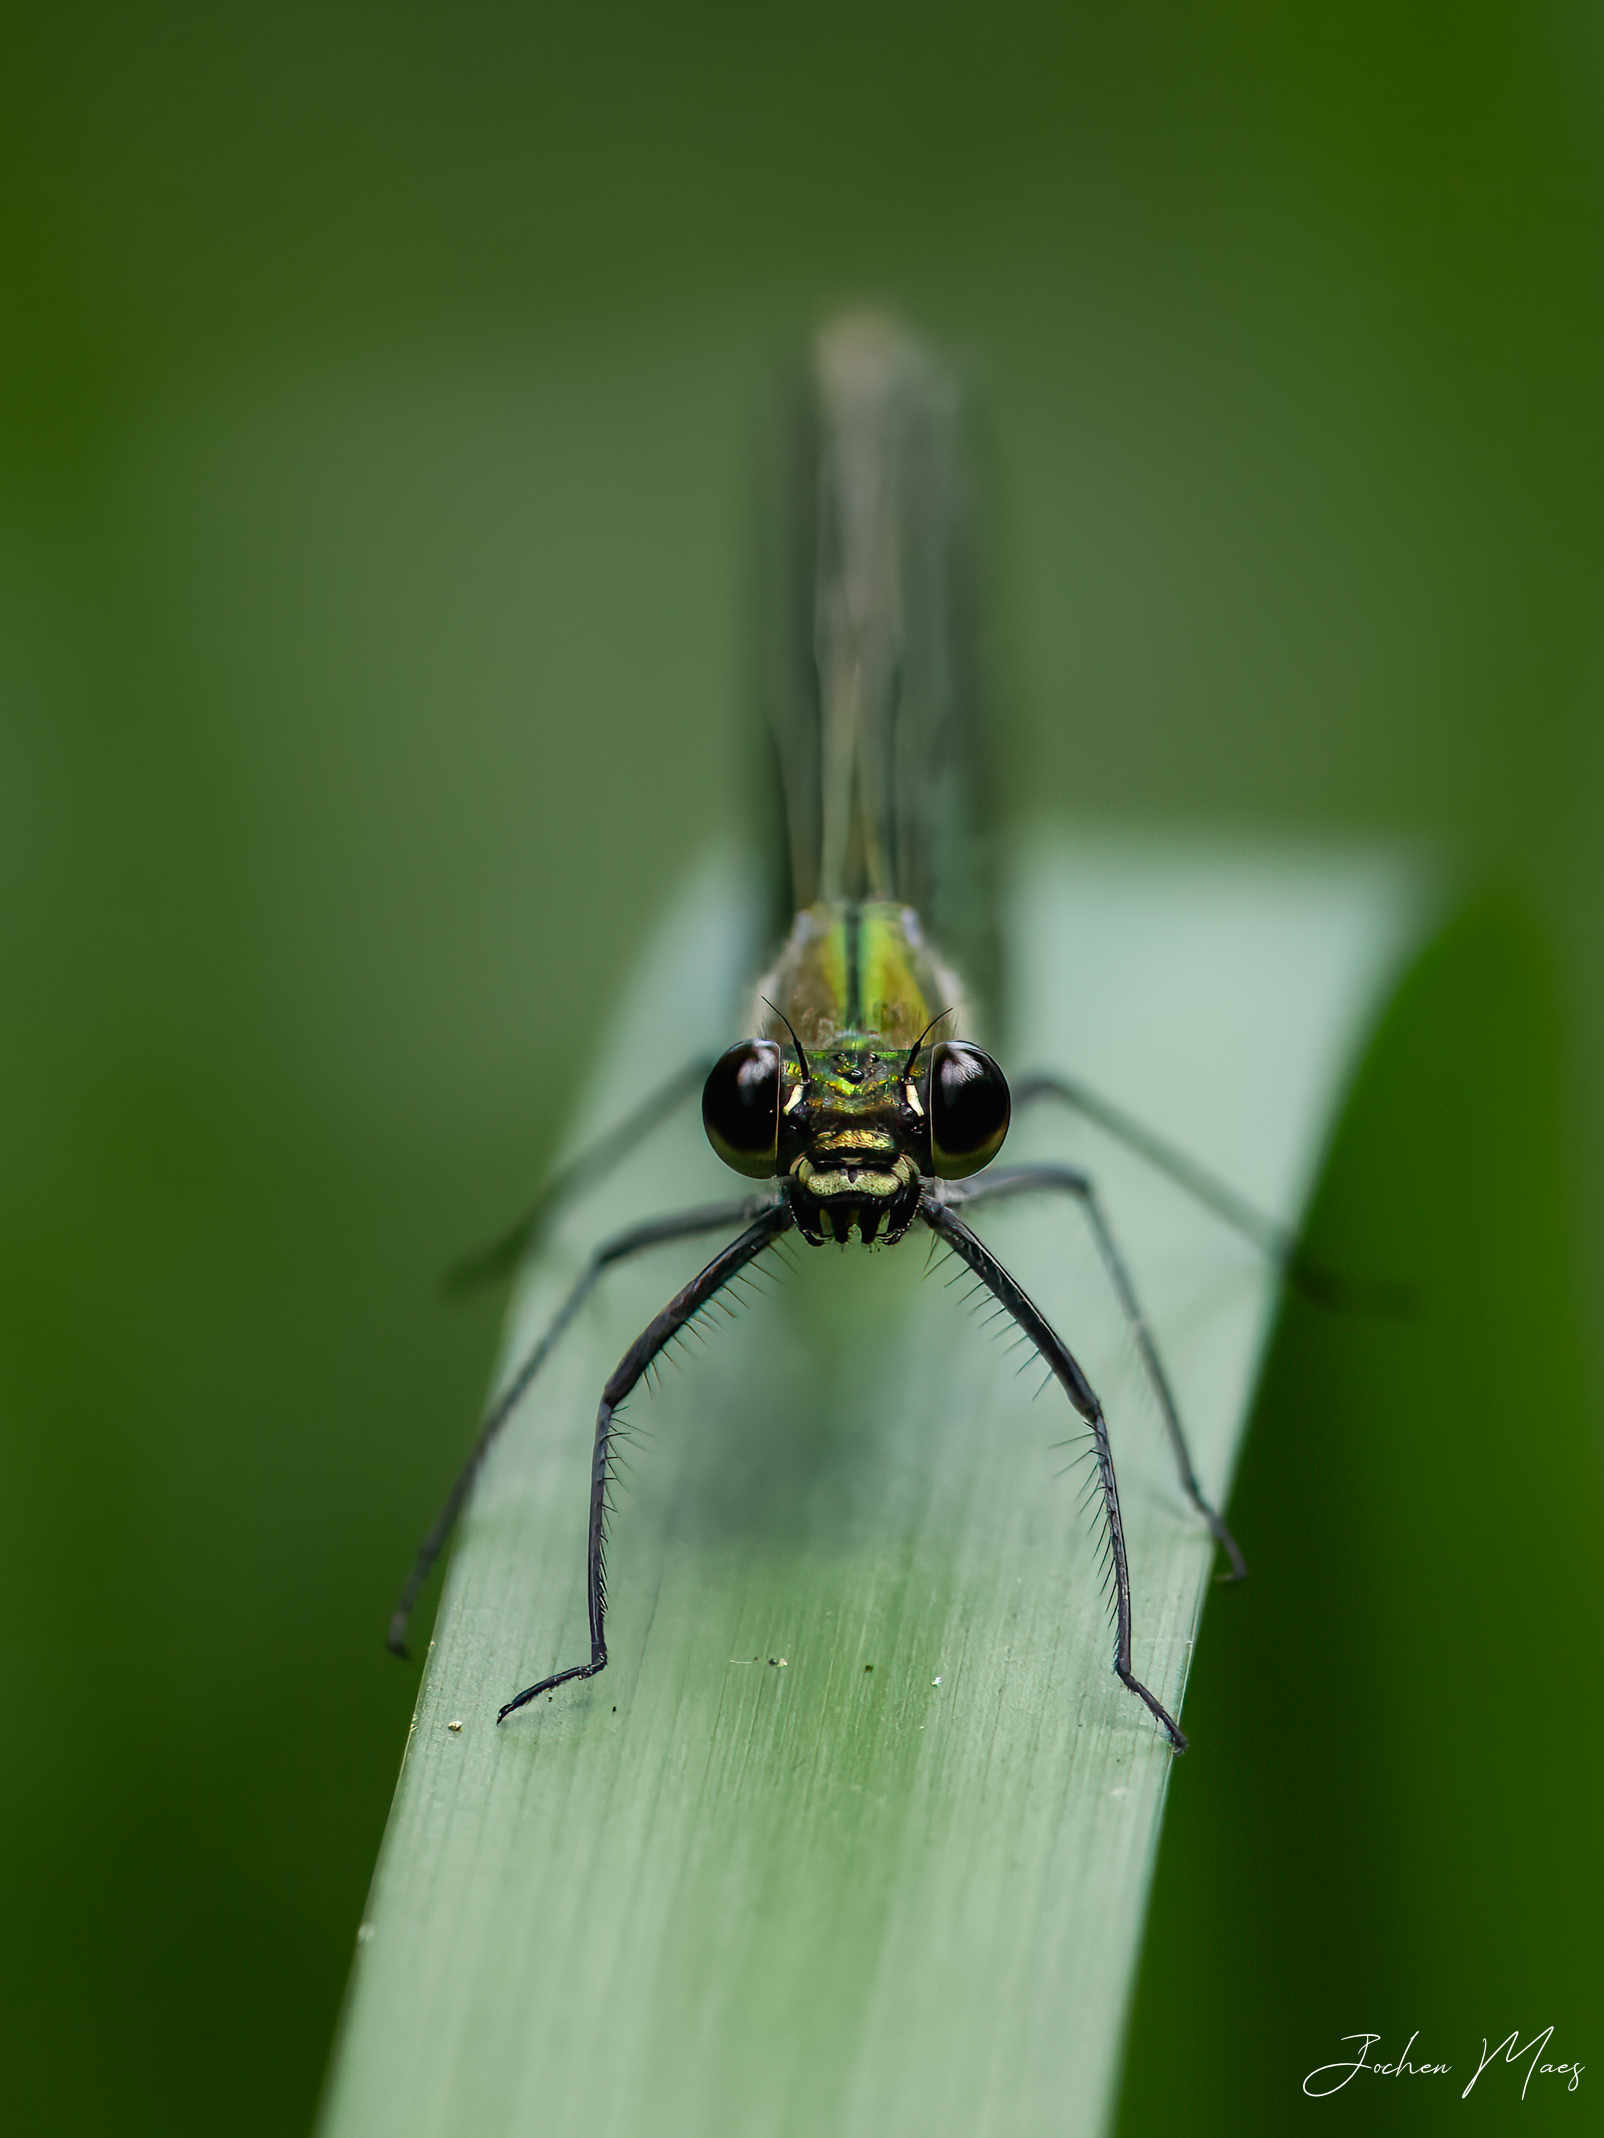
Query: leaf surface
855, 1833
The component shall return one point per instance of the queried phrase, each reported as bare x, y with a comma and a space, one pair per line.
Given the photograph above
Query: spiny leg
951, 1229
486, 1264
1022, 1180
683, 1225
1326, 1287
653, 1339
1276, 1240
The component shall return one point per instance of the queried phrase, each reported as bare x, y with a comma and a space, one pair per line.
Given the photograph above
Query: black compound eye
741, 1107
968, 1104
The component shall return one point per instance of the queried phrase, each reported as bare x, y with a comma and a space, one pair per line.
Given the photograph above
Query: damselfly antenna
913, 1051
801, 1054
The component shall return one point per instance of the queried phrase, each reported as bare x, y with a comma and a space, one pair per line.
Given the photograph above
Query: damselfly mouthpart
858, 1104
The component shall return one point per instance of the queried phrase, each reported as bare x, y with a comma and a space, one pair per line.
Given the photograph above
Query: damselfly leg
948, 1227
769, 1219
1069, 1180
766, 1220
1325, 1287
586, 1169
684, 1307
656, 1232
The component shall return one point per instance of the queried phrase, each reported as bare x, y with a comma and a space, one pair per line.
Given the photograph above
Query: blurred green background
378, 399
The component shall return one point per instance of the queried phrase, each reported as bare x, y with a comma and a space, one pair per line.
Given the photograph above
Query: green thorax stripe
856, 972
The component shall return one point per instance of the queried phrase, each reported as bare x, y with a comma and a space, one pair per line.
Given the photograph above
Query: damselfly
859, 1102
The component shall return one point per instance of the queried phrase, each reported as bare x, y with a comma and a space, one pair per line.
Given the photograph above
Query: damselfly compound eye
741, 1107
968, 1105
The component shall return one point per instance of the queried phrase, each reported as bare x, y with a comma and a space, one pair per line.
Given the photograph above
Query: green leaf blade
855, 1832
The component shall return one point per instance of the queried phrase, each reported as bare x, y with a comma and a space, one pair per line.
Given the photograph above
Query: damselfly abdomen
858, 1102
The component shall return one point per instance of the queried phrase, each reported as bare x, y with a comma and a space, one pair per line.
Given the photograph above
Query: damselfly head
853, 1131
